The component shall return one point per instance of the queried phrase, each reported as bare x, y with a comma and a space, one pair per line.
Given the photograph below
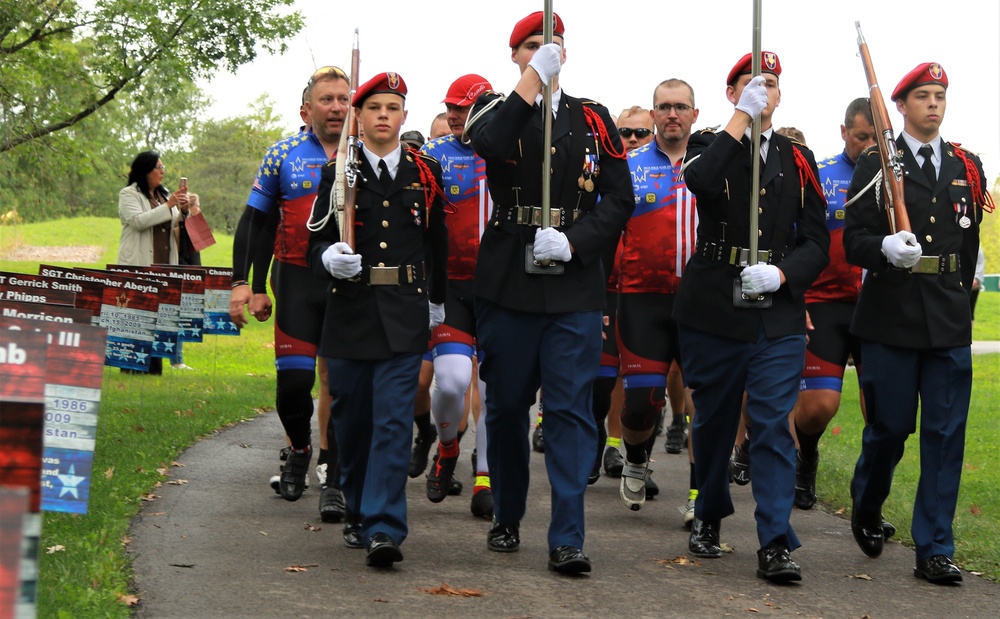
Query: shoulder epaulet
798, 143
423, 155
591, 103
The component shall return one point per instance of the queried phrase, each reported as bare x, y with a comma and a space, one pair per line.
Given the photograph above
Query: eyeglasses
160, 167
680, 108
626, 133
324, 71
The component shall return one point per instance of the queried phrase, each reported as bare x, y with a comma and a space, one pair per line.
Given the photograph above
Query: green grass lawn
147, 421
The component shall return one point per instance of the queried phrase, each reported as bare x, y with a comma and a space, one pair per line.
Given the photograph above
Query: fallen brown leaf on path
108, 474
678, 560
176, 464
752, 610
161, 471
149, 496
128, 600
446, 589
974, 510
300, 568
54, 549
310, 527
177, 482
862, 576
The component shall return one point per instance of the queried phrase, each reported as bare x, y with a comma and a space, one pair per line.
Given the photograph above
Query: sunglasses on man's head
626, 133
322, 71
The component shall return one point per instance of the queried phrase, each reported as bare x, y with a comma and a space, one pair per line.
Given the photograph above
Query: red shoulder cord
596, 125
975, 182
431, 188
805, 173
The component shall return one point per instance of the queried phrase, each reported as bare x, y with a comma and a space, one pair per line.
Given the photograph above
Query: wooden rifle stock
348, 158
891, 158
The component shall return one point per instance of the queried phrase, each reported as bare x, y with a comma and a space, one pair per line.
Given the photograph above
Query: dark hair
142, 165
858, 106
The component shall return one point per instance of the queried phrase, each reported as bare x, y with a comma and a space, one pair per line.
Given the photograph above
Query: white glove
902, 249
437, 314
341, 261
753, 99
760, 278
547, 61
550, 244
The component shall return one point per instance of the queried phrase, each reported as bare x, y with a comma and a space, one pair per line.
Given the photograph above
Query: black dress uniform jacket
369, 322
915, 310
792, 226
509, 137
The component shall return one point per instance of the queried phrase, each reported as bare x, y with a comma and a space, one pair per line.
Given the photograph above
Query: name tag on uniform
960, 183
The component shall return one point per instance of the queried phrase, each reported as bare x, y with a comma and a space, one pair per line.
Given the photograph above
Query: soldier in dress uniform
544, 329
729, 346
377, 314
914, 322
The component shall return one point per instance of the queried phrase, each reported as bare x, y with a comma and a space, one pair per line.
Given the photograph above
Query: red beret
769, 63
926, 73
391, 83
464, 90
532, 25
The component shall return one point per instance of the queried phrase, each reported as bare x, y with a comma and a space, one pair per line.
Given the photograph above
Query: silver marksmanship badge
964, 221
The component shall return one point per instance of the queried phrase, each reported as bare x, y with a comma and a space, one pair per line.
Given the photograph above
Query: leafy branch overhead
61, 61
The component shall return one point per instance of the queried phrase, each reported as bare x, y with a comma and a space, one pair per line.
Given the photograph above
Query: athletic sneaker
676, 438
633, 485
739, 463
294, 475
331, 504
613, 462
439, 478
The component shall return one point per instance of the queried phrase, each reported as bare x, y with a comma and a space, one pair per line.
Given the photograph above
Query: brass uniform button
933, 220
763, 191
929, 239
385, 224
383, 244
381, 264
385, 203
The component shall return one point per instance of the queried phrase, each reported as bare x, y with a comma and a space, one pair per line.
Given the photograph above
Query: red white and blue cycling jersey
839, 281
463, 174
660, 236
288, 180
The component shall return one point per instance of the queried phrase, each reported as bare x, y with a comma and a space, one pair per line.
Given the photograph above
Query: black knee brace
295, 404
642, 407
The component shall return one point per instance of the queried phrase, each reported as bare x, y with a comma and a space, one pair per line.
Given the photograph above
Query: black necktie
928, 167
763, 149
383, 175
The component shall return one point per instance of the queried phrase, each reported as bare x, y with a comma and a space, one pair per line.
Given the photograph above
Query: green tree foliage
61, 61
224, 160
78, 171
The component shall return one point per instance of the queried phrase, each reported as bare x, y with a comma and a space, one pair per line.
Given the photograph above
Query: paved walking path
219, 545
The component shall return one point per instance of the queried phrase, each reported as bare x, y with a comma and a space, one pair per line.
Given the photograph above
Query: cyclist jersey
463, 174
660, 236
839, 281
288, 180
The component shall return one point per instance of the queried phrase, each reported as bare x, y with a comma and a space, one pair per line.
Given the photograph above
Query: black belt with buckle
532, 215
391, 276
935, 265
733, 255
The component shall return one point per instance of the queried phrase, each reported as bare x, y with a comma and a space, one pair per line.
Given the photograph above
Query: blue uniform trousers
561, 353
893, 380
719, 370
372, 417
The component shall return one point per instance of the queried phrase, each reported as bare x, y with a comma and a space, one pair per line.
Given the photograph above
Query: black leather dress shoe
568, 560
868, 535
352, 531
888, 529
331, 504
503, 537
382, 551
704, 540
938, 569
774, 564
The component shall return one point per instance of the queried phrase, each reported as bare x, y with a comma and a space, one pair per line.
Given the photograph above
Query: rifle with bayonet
892, 159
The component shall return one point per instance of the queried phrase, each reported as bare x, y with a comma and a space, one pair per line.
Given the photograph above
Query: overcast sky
617, 52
